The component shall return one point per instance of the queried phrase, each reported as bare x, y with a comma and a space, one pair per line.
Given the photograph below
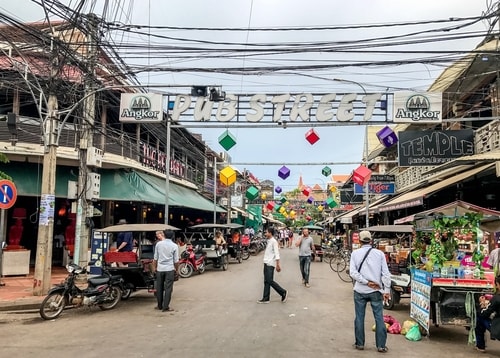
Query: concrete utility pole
84, 205
43, 263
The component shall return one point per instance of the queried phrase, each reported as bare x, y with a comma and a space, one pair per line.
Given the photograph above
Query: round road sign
8, 194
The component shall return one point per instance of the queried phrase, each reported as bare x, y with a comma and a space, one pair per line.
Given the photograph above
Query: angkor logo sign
417, 108
140, 108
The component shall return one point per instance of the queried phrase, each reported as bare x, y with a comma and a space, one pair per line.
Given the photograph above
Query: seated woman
488, 318
219, 241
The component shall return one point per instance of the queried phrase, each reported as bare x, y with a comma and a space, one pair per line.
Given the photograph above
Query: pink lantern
306, 191
361, 175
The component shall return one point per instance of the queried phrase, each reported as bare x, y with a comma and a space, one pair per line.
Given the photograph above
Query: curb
19, 306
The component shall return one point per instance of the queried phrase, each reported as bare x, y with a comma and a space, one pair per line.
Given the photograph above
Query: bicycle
344, 272
339, 258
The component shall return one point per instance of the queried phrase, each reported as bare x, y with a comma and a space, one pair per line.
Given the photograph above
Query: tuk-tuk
138, 273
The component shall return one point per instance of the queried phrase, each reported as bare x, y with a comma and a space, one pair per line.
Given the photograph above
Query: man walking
166, 258
372, 283
271, 261
306, 249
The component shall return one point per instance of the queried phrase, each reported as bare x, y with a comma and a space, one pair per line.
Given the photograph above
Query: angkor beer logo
140, 109
417, 108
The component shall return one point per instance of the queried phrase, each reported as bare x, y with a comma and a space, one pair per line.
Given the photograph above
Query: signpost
8, 196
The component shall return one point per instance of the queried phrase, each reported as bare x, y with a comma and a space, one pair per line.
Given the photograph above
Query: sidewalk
17, 292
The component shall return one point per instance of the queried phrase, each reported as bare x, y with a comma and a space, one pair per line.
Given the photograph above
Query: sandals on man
383, 350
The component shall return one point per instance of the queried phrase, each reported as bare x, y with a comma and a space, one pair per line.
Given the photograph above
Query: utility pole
84, 205
43, 263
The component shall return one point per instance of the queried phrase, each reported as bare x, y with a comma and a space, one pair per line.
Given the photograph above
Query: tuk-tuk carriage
137, 270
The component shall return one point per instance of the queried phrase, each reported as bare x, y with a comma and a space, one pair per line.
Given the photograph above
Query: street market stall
450, 274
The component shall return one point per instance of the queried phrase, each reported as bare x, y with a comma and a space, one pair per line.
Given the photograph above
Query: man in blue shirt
166, 258
372, 283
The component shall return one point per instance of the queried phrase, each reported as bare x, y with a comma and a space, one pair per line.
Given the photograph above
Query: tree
4, 159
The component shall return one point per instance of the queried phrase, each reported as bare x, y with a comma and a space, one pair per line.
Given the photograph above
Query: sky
262, 149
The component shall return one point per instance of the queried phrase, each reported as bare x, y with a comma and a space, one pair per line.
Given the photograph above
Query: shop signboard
425, 148
420, 304
376, 188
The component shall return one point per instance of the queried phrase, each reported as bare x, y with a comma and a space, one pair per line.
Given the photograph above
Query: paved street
216, 315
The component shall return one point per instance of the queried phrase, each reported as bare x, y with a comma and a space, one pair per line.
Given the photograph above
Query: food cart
450, 272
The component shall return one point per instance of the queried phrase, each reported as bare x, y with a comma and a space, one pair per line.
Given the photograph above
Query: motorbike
192, 259
102, 291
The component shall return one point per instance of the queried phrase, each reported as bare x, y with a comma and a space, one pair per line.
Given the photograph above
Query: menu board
421, 282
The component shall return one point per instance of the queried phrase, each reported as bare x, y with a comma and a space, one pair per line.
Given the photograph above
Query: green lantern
252, 193
227, 140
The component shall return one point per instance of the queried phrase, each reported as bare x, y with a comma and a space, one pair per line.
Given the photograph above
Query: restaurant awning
416, 197
179, 195
242, 212
490, 221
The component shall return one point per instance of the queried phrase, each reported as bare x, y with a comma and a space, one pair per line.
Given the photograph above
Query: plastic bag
395, 328
414, 334
407, 325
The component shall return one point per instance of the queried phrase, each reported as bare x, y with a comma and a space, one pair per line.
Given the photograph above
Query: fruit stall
450, 271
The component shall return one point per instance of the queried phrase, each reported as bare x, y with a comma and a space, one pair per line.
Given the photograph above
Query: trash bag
414, 334
407, 325
395, 328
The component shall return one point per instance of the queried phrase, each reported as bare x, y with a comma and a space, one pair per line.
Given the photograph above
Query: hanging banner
412, 107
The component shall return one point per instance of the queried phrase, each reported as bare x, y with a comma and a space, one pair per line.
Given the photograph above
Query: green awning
116, 185
180, 195
121, 185
28, 178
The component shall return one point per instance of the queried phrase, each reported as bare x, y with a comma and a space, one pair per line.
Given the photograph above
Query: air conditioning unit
94, 157
233, 214
93, 191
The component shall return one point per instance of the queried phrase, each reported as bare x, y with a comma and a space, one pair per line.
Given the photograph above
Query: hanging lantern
282, 210
270, 205
310, 200
331, 203
278, 189
227, 140
326, 171
361, 175
311, 136
284, 172
306, 191
387, 137
320, 208
263, 196
283, 199
308, 218
252, 193
333, 188
227, 176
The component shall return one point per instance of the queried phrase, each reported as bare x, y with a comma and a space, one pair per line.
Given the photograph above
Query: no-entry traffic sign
8, 194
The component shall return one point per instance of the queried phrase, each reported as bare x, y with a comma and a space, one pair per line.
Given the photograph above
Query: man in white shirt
166, 260
271, 261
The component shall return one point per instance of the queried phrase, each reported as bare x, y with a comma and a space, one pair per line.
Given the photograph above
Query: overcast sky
260, 146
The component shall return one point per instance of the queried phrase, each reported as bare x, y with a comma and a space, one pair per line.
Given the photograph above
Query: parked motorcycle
103, 291
191, 260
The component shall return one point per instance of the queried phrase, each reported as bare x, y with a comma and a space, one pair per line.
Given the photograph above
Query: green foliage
4, 159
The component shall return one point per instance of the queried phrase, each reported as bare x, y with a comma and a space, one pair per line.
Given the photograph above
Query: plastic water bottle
476, 273
436, 273
461, 272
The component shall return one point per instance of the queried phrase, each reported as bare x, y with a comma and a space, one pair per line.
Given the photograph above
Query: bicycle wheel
335, 261
344, 274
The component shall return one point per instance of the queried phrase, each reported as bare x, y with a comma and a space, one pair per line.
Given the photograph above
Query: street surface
216, 314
